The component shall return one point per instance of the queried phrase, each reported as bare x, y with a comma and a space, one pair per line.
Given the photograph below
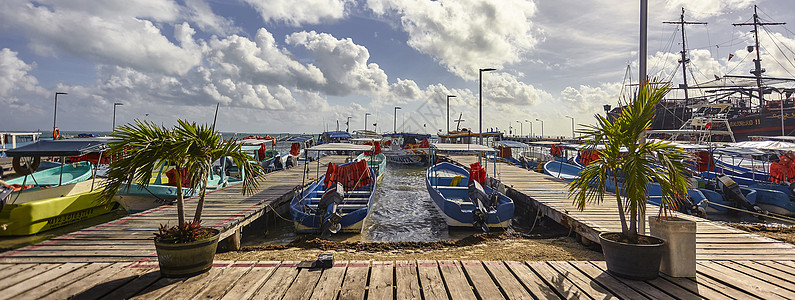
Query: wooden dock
116, 261
550, 195
393, 280
130, 238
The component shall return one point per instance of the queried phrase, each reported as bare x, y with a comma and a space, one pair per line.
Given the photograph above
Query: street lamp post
348, 124
542, 127
480, 102
55, 111
448, 113
572, 125
521, 128
365, 120
531, 127
394, 124
114, 115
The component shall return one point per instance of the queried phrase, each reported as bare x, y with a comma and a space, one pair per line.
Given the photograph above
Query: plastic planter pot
187, 259
632, 261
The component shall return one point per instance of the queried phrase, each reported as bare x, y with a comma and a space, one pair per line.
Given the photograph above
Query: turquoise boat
377, 162
70, 197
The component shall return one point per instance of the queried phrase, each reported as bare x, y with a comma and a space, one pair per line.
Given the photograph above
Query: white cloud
589, 99
113, 39
466, 35
343, 63
16, 83
297, 13
708, 8
200, 13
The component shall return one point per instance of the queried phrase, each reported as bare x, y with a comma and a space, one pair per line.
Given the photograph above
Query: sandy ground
496, 246
785, 233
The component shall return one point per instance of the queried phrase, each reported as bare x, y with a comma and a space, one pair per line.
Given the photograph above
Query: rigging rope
771, 215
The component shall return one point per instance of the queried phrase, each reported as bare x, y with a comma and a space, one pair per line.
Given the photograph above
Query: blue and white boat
463, 203
562, 170
326, 207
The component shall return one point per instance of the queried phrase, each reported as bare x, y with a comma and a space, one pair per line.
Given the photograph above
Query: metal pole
394, 124
531, 127
644, 12
55, 110
521, 128
117, 104
572, 125
348, 125
480, 103
448, 113
542, 127
365, 120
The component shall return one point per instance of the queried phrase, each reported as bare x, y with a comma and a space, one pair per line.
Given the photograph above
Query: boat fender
27, 167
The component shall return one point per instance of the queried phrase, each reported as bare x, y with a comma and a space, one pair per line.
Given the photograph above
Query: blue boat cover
70, 147
337, 134
402, 134
302, 138
512, 144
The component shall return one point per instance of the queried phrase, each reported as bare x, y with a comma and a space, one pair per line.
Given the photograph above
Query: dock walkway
550, 195
130, 238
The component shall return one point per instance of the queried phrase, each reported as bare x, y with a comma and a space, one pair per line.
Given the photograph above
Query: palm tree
143, 146
626, 164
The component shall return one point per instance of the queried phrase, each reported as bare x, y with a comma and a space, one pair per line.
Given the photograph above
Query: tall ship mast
739, 100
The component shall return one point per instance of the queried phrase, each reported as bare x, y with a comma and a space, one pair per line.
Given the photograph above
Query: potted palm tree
626, 166
187, 248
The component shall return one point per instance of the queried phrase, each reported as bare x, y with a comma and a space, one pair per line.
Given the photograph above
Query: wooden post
233, 241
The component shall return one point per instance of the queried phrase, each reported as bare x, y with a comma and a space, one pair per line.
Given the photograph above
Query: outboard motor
731, 191
327, 209
523, 162
481, 201
277, 163
4, 192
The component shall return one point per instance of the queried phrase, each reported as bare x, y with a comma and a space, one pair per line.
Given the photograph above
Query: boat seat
315, 201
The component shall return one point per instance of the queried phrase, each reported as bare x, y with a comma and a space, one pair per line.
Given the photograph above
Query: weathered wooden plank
106, 284
431, 280
455, 280
330, 283
64, 286
407, 280
560, 283
640, 286
218, 287
768, 275
251, 282
303, 284
605, 279
786, 271
18, 272
381, 285
38, 279
485, 287
507, 282
537, 287
194, 284
353, 287
280, 281
158, 288
585, 283
741, 281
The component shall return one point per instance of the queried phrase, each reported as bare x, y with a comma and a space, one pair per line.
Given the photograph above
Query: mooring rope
768, 215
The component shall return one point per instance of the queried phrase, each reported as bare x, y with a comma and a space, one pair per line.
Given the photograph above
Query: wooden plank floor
393, 280
130, 238
713, 240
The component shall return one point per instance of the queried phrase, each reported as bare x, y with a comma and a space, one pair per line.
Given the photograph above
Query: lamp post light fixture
448, 113
480, 102
55, 111
521, 128
572, 125
114, 114
531, 127
365, 120
542, 127
348, 124
394, 124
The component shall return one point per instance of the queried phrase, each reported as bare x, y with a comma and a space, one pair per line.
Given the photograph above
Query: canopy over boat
512, 144
70, 147
763, 145
366, 140
300, 138
405, 134
341, 147
461, 147
337, 134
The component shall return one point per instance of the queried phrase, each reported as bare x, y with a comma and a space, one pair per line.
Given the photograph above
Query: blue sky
301, 66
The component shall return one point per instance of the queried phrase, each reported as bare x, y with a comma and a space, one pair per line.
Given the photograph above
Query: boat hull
414, 156
31, 217
452, 202
355, 208
137, 199
562, 170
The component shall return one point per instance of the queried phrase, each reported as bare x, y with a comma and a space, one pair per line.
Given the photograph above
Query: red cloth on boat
476, 172
295, 149
183, 175
376, 148
352, 175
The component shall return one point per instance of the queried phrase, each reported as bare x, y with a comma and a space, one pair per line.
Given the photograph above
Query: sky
305, 66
